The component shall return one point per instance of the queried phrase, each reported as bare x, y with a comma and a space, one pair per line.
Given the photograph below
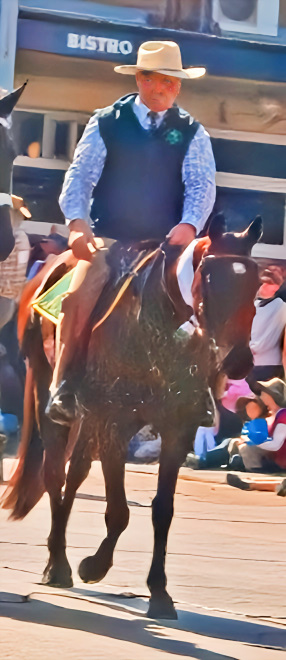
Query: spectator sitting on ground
269, 456
11, 396
254, 430
228, 425
252, 411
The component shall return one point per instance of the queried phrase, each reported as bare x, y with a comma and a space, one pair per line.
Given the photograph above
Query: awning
119, 42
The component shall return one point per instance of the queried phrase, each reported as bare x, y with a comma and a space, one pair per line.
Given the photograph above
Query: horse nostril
193, 369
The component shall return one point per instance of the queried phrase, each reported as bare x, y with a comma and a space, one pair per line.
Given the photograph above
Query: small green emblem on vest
173, 136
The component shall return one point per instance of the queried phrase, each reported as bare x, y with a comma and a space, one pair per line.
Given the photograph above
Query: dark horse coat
7, 155
138, 369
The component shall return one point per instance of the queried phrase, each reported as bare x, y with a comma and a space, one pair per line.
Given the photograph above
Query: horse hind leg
95, 567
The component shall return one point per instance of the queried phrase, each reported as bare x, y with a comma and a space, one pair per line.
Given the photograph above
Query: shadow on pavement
138, 631
141, 630
227, 628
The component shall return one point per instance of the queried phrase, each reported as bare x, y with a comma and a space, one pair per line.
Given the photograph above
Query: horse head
7, 155
224, 292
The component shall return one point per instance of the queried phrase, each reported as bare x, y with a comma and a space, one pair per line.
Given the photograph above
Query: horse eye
208, 278
238, 268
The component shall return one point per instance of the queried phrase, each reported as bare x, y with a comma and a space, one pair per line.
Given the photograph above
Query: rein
125, 286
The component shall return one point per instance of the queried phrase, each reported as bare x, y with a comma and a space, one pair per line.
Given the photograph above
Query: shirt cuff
189, 222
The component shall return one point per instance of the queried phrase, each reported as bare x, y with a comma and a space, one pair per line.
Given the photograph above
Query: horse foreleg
58, 571
94, 568
161, 604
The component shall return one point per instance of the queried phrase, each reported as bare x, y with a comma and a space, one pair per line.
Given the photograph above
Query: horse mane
201, 248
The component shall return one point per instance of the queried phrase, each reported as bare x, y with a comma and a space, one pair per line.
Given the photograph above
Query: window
61, 140
28, 130
247, 16
251, 181
242, 206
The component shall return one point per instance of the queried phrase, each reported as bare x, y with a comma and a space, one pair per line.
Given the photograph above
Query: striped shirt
198, 172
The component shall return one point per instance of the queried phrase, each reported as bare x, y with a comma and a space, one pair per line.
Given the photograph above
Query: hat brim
187, 74
268, 389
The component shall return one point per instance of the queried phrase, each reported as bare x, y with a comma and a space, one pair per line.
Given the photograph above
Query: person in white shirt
267, 342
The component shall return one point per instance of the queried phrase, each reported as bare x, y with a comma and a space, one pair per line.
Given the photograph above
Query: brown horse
7, 155
138, 369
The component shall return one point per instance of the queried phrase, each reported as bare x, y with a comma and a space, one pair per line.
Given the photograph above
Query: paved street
226, 572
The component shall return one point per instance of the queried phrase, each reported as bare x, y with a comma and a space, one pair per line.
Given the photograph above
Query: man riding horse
149, 167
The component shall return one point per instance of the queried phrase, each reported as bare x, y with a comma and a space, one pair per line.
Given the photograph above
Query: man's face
157, 90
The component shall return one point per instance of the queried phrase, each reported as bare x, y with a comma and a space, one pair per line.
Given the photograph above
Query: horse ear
217, 227
8, 102
254, 231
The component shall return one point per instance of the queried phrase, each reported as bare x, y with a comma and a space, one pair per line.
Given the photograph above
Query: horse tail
26, 486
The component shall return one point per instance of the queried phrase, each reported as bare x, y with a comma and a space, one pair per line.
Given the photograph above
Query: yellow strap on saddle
124, 287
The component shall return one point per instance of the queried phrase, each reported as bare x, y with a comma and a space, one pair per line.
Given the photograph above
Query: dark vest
140, 193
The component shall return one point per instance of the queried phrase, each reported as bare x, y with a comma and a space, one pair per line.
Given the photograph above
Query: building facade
68, 48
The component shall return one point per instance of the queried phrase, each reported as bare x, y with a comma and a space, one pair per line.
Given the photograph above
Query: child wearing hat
270, 455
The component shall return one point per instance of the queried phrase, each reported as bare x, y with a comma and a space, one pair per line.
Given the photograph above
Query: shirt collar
6, 121
141, 110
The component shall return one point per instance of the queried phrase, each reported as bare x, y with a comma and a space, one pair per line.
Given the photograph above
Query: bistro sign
119, 43
114, 43
100, 44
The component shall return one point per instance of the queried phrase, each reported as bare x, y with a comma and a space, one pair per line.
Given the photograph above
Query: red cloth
279, 457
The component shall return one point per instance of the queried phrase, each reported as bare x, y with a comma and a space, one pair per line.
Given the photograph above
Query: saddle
124, 262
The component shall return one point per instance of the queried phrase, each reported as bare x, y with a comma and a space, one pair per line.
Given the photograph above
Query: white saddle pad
185, 273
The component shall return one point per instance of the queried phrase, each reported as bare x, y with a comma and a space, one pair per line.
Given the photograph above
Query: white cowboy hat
161, 57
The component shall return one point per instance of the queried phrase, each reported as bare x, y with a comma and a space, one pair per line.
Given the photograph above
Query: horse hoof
58, 576
92, 569
161, 608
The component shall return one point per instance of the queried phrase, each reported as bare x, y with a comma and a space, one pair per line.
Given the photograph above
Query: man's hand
182, 234
82, 241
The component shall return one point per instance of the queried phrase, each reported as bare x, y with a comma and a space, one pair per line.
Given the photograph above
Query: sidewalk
225, 565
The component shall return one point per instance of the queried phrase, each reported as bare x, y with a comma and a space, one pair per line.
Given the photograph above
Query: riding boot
62, 408
85, 288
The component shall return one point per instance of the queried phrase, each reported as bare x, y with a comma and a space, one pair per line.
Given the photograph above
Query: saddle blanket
49, 303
